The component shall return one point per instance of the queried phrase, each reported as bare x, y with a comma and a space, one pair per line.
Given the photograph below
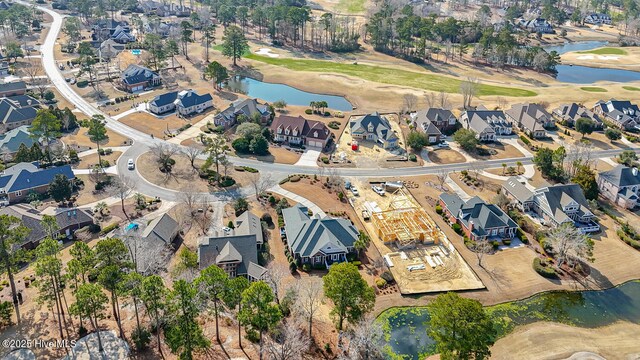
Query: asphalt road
142, 142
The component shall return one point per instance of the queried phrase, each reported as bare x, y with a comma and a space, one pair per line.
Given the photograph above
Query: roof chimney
471, 226
634, 171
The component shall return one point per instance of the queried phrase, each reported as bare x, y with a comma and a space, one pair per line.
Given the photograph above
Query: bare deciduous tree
289, 343
365, 341
570, 244
443, 100
410, 102
468, 90
163, 153
275, 279
203, 216
309, 300
148, 258
260, 182
192, 153
442, 176
577, 155
191, 200
121, 187
481, 248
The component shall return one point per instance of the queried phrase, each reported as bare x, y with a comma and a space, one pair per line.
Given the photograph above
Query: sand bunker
598, 57
267, 52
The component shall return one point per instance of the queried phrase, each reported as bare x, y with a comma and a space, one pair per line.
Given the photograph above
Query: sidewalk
110, 170
122, 149
299, 199
457, 189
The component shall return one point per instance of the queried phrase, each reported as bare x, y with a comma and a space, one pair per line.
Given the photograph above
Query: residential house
11, 140
479, 220
236, 251
518, 193
443, 119
246, 107
597, 19
118, 31
622, 113
487, 124
556, 205
19, 180
164, 29
318, 241
621, 185
68, 220
137, 78
570, 113
299, 131
434, 122
17, 111
530, 118
109, 49
163, 9
163, 228
374, 127
13, 89
536, 25
186, 102
5, 5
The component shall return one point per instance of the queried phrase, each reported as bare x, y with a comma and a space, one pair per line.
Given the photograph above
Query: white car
130, 164
378, 190
443, 145
354, 190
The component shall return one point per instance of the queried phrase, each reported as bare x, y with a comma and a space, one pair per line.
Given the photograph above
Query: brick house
19, 180
299, 131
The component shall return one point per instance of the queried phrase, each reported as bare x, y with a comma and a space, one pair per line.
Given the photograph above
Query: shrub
308, 111
249, 169
356, 263
141, 338
380, 283
457, 228
241, 145
109, 228
522, 236
387, 276
266, 217
439, 209
293, 267
334, 125
544, 269
325, 159
326, 113
294, 178
227, 181
525, 140
413, 157
306, 267
506, 242
82, 83
6, 310
495, 244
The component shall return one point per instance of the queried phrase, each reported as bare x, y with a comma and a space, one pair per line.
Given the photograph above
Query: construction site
416, 251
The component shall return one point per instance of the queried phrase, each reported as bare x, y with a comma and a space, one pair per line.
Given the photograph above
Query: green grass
390, 76
219, 48
351, 6
605, 51
631, 88
593, 89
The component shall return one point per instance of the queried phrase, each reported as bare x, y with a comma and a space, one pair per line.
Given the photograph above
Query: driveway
308, 158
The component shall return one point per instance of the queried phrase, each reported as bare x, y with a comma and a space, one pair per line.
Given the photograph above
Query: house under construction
405, 223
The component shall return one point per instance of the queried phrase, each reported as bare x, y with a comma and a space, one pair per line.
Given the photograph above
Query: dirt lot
86, 196
547, 340
150, 124
81, 139
87, 162
445, 156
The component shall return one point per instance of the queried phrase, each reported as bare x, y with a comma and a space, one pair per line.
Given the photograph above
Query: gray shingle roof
13, 86
189, 98
553, 199
245, 107
573, 112
17, 109
309, 236
517, 189
381, 126
135, 74
621, 176
164, 99
163, 228
531, 116
475, 210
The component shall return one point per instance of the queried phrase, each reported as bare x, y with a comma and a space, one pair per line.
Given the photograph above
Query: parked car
354, 190
365, 214
443, 144
378, 190
347, 184
131, 165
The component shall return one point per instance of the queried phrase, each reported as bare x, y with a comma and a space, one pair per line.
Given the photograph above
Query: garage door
137, 88
317, 144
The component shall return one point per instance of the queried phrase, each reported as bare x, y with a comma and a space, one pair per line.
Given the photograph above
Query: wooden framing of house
405, 224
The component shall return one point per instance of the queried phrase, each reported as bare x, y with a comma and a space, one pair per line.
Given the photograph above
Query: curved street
142, 141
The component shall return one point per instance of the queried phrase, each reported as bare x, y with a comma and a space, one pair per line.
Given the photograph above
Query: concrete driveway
309, 158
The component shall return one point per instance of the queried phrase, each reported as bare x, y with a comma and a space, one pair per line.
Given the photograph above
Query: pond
575, 46
406, 328
575, 74
271, 92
